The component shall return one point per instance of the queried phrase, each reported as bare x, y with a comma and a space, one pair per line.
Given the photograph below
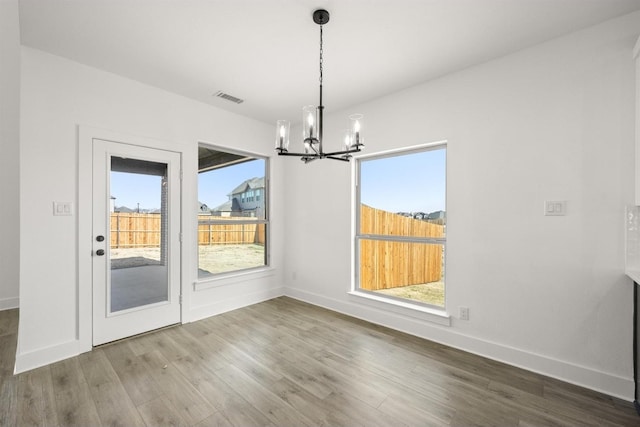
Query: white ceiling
266, 51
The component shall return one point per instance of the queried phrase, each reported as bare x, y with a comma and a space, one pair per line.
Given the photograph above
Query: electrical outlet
464, 313
555, 207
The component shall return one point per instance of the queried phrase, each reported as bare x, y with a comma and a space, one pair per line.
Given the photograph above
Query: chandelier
312, 125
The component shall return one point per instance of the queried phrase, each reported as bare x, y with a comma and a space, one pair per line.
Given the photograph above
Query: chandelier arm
309, 159
342, 159
288, 153
339, 153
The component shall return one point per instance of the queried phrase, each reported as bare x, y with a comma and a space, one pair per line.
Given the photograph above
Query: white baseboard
45, 356
9, 303
612, 385
228, 304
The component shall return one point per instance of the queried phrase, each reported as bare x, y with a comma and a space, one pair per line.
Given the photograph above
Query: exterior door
136, 240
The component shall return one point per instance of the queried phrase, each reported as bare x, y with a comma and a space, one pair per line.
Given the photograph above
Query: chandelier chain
321, 55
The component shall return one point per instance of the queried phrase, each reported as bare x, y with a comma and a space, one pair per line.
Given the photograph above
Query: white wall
553, 122
9, 149
58, 96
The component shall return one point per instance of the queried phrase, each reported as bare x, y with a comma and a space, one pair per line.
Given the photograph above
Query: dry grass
430, 293
211, 259
222, 258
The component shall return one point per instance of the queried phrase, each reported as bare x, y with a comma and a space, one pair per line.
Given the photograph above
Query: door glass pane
138, 233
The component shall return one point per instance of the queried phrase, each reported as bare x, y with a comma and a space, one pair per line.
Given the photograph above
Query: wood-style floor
287, 363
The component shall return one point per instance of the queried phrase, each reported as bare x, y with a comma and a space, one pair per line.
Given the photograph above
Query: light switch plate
62, 208
555, 207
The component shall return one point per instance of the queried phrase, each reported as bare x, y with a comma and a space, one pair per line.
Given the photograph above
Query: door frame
109, 325
84, 285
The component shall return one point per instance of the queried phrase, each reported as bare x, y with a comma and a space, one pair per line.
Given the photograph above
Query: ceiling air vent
221, 94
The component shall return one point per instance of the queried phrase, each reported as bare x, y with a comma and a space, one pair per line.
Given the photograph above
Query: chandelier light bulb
309, 126
346, 140
356, 127
282, 136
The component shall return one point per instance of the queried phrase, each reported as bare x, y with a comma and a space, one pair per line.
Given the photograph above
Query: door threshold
137, 335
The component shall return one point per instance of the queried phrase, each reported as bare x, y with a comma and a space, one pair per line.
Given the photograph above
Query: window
232, 227
401, 224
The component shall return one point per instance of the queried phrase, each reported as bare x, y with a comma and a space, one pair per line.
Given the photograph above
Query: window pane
406, 270
402, 208
409, 185
232, 222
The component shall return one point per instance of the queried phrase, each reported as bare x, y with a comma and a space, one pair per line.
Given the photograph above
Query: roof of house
225, 207
437, 215
249, 184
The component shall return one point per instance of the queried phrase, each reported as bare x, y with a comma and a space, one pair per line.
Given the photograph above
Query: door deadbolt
100, 238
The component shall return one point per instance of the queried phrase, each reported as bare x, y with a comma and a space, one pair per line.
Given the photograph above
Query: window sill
404, 308
232, 278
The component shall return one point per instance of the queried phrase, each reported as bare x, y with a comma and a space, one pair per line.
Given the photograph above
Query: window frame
375, 297
213, 277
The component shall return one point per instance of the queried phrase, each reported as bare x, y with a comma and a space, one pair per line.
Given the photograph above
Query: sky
130, 189
406, 183
213, 186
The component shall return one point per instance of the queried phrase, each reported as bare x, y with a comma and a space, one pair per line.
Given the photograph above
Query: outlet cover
62, 208
555, 207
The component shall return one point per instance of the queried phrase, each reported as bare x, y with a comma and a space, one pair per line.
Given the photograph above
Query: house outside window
401, 225
232, 235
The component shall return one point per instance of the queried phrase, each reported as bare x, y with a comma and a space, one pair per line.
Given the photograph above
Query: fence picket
138, 230
387, 264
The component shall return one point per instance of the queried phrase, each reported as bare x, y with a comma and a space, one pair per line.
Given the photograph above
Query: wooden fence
210, 233
135, 230
386, 264
138, 230
383, 264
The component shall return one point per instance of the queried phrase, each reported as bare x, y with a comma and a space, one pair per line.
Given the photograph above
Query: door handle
100, 252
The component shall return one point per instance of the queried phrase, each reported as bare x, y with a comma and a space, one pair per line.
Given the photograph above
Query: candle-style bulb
308, 121
347, 139
356, 128
282, 135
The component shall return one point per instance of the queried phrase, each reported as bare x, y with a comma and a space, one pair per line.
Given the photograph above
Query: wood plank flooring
287, 363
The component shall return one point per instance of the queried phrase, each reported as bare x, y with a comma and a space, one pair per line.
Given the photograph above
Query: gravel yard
212, 259
222, 258
430, 293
